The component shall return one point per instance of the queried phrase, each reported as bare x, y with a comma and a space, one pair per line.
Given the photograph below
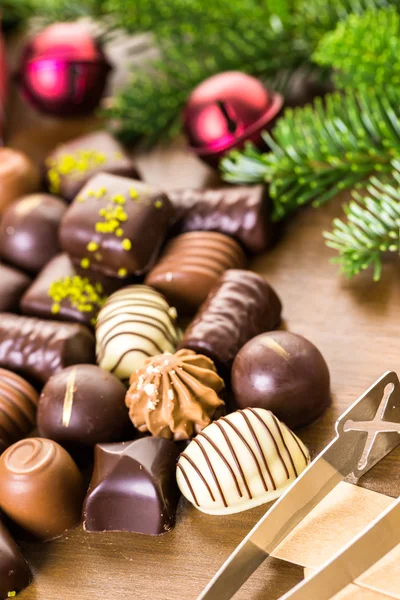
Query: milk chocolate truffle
29, 231
13, 285
41, 489
72, 164
133, 487
285, 373
191, 264
18, 176
240, 461
242, 212
82, 406
174, 396
15, 574
18, 403
37, 349
240, 306
135, 323
58, 292
116, 226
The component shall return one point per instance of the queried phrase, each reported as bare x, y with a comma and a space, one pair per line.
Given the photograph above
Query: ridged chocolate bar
37, 349
240, 306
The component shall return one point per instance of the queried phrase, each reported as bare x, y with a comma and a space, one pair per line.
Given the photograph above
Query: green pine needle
364, 49
372, 227
320, 150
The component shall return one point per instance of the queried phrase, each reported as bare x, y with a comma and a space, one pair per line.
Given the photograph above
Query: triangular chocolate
15, 574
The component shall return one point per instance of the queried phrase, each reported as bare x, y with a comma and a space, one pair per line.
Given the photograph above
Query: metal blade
357, 557
350, 452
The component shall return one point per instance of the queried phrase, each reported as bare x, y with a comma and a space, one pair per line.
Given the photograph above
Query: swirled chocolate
41, 488
133, 487
18, 403
242, 212
72, 164
37, 349
29, 231
135, 323
240, 306
191, 264
18, 176
116, 226
240, 461
174, 395
15, 574
13, 285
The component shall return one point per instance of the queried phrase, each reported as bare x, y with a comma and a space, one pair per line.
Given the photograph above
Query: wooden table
355, 324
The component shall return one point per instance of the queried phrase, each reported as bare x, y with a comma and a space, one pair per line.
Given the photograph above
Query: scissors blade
340, 458
379, 538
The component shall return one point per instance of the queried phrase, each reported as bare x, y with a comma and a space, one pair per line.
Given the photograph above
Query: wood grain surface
355, 324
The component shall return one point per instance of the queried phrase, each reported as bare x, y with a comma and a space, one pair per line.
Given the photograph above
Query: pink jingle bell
225, 111
64, 71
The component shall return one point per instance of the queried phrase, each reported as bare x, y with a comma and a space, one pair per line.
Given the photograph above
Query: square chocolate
116, 226
72, 164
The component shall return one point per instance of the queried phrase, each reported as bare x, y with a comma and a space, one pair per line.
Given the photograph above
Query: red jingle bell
225, 111
64, 71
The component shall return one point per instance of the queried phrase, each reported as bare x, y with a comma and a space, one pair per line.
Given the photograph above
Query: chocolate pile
96, 275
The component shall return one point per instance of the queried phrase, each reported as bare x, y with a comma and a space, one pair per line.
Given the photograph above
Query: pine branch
364, 49
371, 229
319, 150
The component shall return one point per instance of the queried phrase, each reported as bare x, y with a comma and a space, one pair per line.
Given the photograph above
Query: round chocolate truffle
284, 373
29, 231
82, 406
41, 488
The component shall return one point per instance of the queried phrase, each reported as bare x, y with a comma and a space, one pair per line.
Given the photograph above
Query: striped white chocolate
240, 461
136, 322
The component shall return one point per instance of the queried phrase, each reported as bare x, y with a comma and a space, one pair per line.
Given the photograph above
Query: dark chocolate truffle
59, 292
242, 212
18, 176
191, 264
133, 487
29, 231
13, 285
18, 403
82, 406
41, 489
239, 306
72, 164
37, 349
15, 574
116, 226
284, 373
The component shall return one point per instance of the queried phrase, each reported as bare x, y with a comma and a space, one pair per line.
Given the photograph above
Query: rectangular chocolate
116, 226
37, 349
13, 284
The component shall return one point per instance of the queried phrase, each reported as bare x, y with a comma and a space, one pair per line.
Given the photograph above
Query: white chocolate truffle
240, 461
136, 322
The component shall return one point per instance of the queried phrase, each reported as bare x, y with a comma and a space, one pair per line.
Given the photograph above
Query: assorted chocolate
133, 487
18, 404
174, 396
15, 574
240, 461
37, 349
136, 322
242, 212
284, 373
191, 264
41, 488
60, 292
116, 226
72, 164
240, 306
18, 176
29, 231
82, 406
13, 284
